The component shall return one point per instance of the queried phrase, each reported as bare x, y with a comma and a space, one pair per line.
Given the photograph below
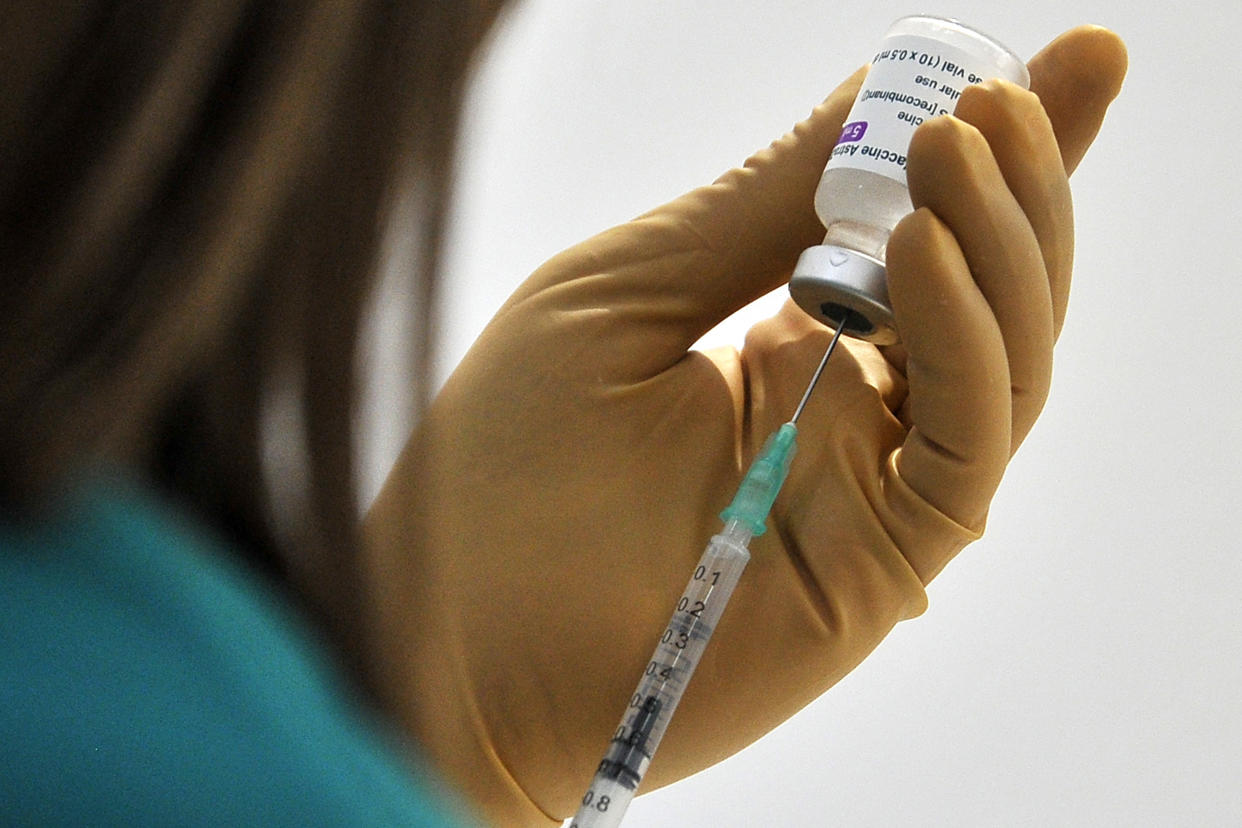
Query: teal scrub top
147, 679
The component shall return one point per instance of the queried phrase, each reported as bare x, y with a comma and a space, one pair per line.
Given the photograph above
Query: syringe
683, 641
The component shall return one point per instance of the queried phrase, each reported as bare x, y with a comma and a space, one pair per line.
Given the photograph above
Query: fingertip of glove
918, 235
1092, 58
830, 112
1112, 59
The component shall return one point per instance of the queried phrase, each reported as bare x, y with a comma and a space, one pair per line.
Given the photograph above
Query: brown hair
192, 196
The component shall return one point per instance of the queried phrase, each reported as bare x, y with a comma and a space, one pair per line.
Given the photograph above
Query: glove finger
1022, 141
959, 406
670, 275
1076, 77
957, 370
952, 171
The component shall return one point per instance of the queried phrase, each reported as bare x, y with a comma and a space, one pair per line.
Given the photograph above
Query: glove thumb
670, 275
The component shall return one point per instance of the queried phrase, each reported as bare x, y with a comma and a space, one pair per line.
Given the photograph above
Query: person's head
192, 193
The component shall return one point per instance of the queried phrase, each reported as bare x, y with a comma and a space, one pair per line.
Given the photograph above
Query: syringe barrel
664, 679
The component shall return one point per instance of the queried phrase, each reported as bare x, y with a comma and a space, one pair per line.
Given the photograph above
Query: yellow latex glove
534, 536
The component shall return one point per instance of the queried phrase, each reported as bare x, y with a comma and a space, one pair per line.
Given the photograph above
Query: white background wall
1081, 664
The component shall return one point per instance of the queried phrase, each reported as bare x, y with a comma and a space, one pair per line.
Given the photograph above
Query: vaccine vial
919, 72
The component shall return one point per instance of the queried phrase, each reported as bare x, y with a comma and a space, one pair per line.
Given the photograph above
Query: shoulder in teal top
147, 680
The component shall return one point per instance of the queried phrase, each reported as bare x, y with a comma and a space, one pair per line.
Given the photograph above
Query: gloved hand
534, 536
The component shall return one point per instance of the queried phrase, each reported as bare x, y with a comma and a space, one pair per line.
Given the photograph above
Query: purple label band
853, 132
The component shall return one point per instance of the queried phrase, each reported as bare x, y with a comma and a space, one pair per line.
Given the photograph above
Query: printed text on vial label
911, 80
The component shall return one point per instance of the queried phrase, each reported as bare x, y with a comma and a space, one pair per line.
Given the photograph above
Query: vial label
911, 79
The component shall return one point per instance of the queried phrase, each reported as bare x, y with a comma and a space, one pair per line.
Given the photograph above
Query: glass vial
920, 70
